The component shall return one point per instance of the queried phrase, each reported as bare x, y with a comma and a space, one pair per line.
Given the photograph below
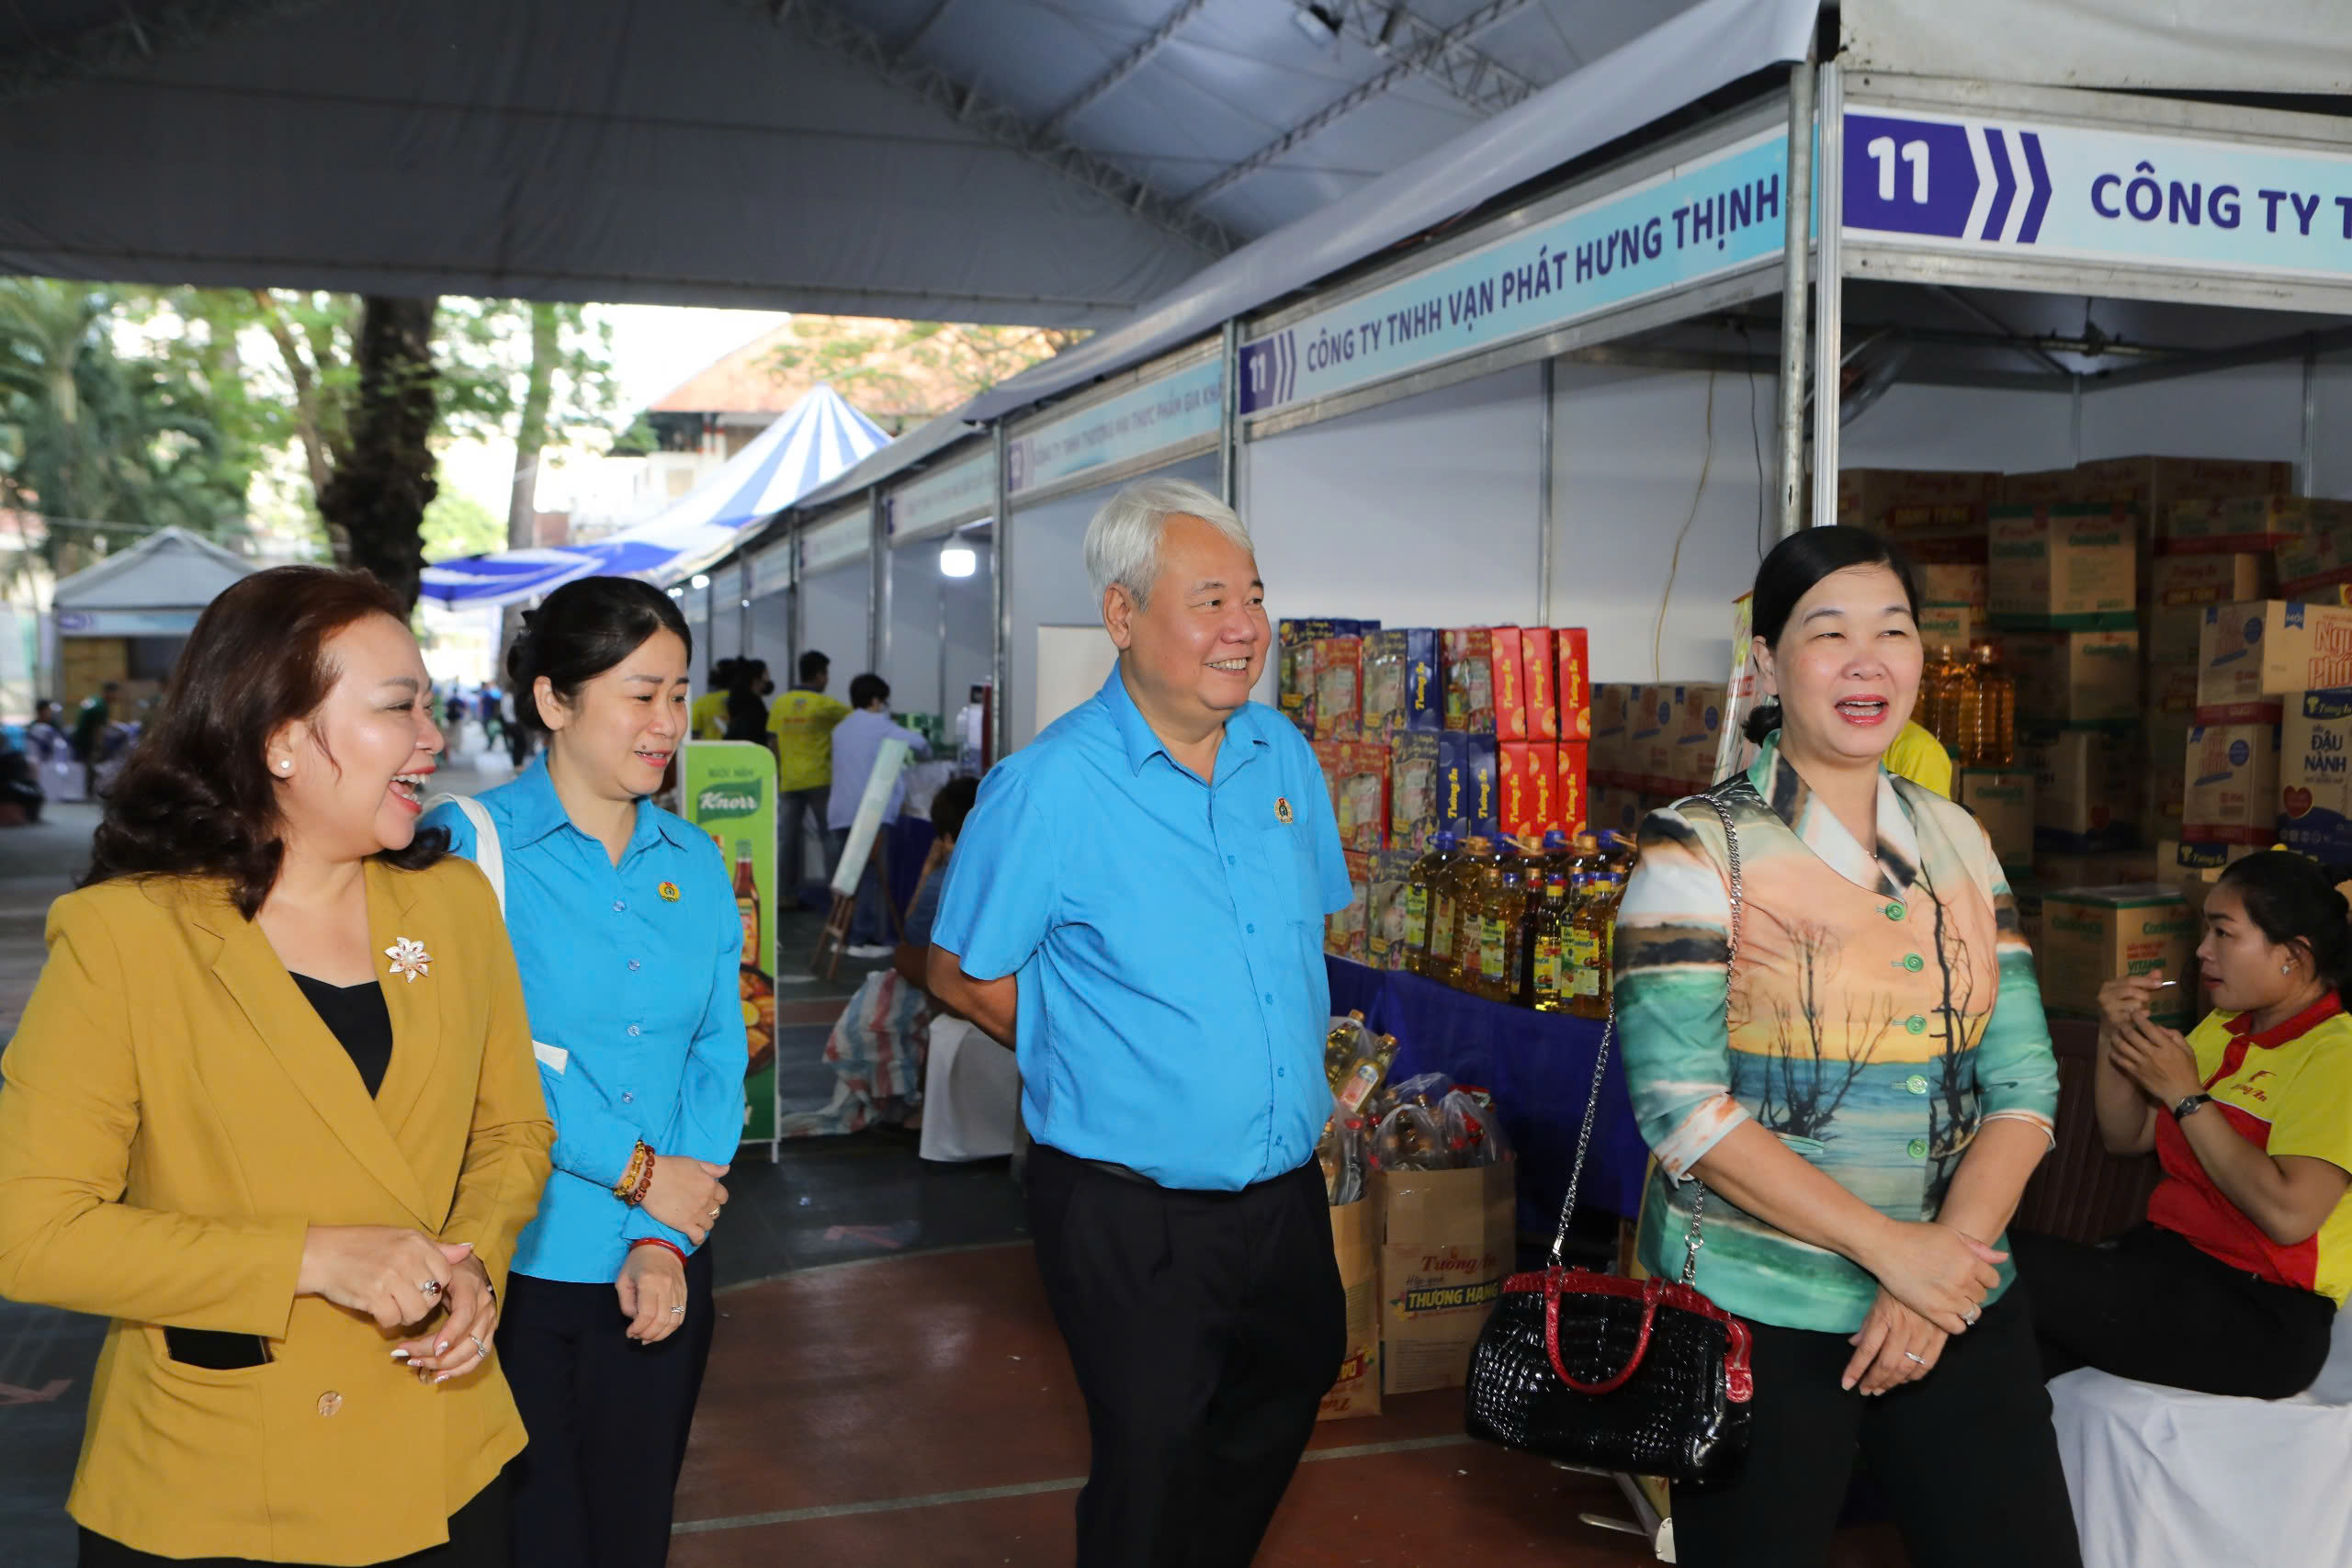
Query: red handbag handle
1552, 1282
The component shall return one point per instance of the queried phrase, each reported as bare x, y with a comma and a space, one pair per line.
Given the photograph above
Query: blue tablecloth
1538, 1066
908, 840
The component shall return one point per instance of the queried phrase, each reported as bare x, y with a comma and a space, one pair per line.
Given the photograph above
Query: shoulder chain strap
1692, 1240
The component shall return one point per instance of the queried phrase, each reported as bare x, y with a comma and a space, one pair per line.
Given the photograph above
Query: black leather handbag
1646, 1376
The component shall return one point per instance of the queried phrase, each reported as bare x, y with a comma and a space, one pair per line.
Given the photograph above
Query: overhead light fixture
702, 581
958, 560
1319, 23
677, 593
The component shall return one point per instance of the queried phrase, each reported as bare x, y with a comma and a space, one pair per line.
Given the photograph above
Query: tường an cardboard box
1539, 681
1470, 680
1649, 732
1571, 791
1572, 664
1511, 691
1896, 500
1617, 808
1947, 626
2074, 678
1413, 790
2002, 799
2180, 860
1448, 1238
2152, 485
1698, 735
2316, 776
2232, 783
1948, 583
2246, 521
2168, 737
1355, 1244
2085, 789
2059, 872
2316, 562
2179, 587
2063, 567
2092, 935
1611, 757
2251, 655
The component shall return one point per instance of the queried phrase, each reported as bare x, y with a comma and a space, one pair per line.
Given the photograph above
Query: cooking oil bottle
1455, 894
1547, 950
1500, 905
1590, 932
1421, 900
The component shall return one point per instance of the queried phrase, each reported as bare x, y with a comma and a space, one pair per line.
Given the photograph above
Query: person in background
44, 738
1921, 757
624, 922
709, 711
1135, 907
90, 732
800, 726
1857, 1123
518, 733
2232, 1284
747, 708
272, 1112
857, 742
19, 779
486, 706
948, 809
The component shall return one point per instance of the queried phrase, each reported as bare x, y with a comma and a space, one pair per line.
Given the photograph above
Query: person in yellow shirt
800, 726
708, 715
1921, 757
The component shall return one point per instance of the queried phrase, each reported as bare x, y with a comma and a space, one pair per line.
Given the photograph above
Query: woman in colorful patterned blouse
1865, 1113
2232, 1283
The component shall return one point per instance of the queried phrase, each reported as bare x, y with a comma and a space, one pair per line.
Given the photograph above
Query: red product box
1469, 680
1571, 794
1511, 689
1521, 809
1540, 682
1575, 683
1545, 774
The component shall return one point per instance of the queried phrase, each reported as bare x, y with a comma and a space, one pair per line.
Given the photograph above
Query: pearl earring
286, 767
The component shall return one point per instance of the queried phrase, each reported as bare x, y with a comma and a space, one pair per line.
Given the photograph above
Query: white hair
1122, 542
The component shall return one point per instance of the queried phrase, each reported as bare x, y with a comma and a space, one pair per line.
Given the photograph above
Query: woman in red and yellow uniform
2232, 1284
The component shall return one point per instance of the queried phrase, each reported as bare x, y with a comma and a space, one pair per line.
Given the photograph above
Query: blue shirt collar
1143, 742
538, 811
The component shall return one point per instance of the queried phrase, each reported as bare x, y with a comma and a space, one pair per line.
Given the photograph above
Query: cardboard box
2092, 935
2179, 587
1470, 680
1510, 691
2151, 485
1357, 772
1943, 582
2181, 861
1539, 681
2251, 655
1698, 735
2318, 560
1572, 657
2074, 678
1466, 769
2167, 734
1384, 922
2002, 799
1355, 1243
1413, 790
1339, 688
2232, 783
2085, 790
1616, 807
2057, 872
1520, 769
2242, 521
1901, 500
2064, 566
1344, 933
1947, 626
1612, 713
1649, 718
2172, 688
1571, 791
2316, 776
1448, 1239
1400, 683
1486, 782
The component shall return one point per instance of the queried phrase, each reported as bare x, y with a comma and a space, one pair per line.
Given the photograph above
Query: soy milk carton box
2251, 655
2316, 776
2232, 783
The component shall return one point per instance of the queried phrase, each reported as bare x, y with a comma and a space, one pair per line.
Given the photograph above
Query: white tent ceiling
1045, 161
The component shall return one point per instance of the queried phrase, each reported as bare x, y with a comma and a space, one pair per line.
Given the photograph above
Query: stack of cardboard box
1477, 731
1652, 743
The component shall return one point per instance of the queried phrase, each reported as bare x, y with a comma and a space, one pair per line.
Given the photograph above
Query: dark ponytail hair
1795, 567
582, 629
2290, 899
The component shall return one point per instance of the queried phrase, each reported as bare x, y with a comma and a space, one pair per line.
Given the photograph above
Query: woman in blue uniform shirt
626, 933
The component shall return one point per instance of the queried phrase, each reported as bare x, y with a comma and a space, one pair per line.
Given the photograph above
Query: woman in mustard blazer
273, 1109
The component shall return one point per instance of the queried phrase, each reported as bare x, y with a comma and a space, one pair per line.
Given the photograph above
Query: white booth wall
1049, 585
931, 613
970, 604
769, 621
832, 619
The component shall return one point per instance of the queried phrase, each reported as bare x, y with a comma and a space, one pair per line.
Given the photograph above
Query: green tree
456, 525
106, 447
899, 372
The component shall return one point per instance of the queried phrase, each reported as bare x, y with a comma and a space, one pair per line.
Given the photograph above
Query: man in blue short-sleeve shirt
1137, 906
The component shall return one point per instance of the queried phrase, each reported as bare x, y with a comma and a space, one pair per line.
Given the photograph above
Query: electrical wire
1756, 437
1674, 563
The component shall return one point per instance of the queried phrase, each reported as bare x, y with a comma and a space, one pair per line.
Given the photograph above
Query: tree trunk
374, 504
530, 440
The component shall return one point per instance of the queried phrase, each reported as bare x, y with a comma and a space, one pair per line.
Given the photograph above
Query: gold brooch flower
410, 961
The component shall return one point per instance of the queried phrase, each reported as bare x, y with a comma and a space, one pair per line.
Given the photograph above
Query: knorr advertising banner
729, 790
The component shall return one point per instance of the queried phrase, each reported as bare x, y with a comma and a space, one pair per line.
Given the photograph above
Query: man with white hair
1137, 906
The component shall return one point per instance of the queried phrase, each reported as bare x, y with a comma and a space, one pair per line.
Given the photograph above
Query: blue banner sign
964, 490
1715, 214
2126, 196
1183, 406
844, 538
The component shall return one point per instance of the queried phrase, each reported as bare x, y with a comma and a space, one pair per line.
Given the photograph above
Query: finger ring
481, 1348
1971, 1316
677, 1312
430, 1288
714, 1214
1915, 1356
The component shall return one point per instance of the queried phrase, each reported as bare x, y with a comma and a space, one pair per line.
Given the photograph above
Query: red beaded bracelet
644, 1183
669, 1246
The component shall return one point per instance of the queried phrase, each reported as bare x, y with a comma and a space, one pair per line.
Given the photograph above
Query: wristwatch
2193, 1103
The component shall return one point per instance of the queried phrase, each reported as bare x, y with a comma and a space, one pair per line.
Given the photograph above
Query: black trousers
1965, 1458
480, 1536
1204, 1328
608, 1419
2148, 1306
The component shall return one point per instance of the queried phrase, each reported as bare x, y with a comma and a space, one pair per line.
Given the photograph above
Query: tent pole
1228, 436
1828, 332
1000, 594
1794, 297
1544, 499
878, 586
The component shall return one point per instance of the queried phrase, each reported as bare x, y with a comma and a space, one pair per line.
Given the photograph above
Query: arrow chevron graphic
1953, 180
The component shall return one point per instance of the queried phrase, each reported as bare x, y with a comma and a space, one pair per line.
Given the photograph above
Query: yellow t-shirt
801, 726
1921, 757
709, 715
